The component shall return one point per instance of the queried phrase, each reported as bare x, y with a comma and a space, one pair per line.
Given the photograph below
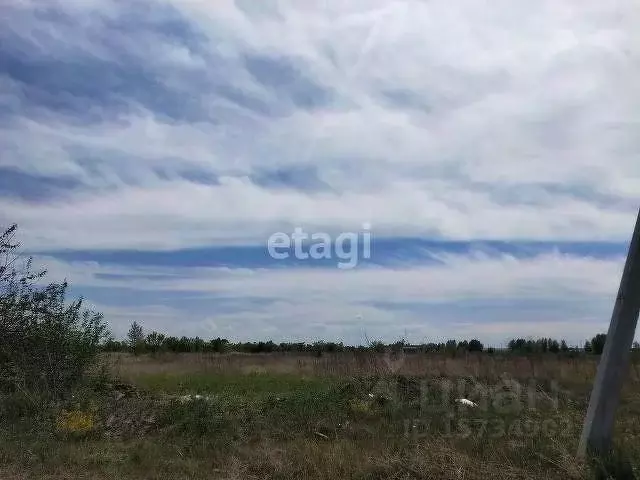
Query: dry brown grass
579, 370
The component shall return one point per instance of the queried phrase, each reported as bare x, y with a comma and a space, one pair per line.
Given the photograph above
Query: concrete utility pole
614, 363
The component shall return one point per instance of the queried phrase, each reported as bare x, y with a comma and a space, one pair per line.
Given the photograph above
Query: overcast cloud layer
149, 149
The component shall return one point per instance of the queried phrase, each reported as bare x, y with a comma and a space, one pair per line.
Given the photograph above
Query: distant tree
136, 338
112, 345
197, 344
171, 344
219, 345
433, 347
517, 344
597, 343
155, 341
542, 345
539, 345
398, 346
184, 344
377, 346
588, 347
333, 347
475, 346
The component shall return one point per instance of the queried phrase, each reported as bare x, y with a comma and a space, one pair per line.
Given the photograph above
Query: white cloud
460, 121
174, 215
549, 276
493, 298
441, 114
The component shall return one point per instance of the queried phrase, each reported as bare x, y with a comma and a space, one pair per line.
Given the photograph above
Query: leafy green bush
46, 343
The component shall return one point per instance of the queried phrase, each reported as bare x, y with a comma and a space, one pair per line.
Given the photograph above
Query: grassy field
359, 416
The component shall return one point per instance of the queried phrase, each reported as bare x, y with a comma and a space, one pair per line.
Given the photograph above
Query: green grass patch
246, 385
286, 426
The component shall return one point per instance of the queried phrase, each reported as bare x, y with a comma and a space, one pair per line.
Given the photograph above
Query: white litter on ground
188, 398
464, 401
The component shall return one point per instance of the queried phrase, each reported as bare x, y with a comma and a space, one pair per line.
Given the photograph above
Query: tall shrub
46, 342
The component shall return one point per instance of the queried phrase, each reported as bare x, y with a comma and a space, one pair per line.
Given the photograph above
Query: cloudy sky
151, 148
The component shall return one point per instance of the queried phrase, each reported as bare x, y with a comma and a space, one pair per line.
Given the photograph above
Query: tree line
154, 342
